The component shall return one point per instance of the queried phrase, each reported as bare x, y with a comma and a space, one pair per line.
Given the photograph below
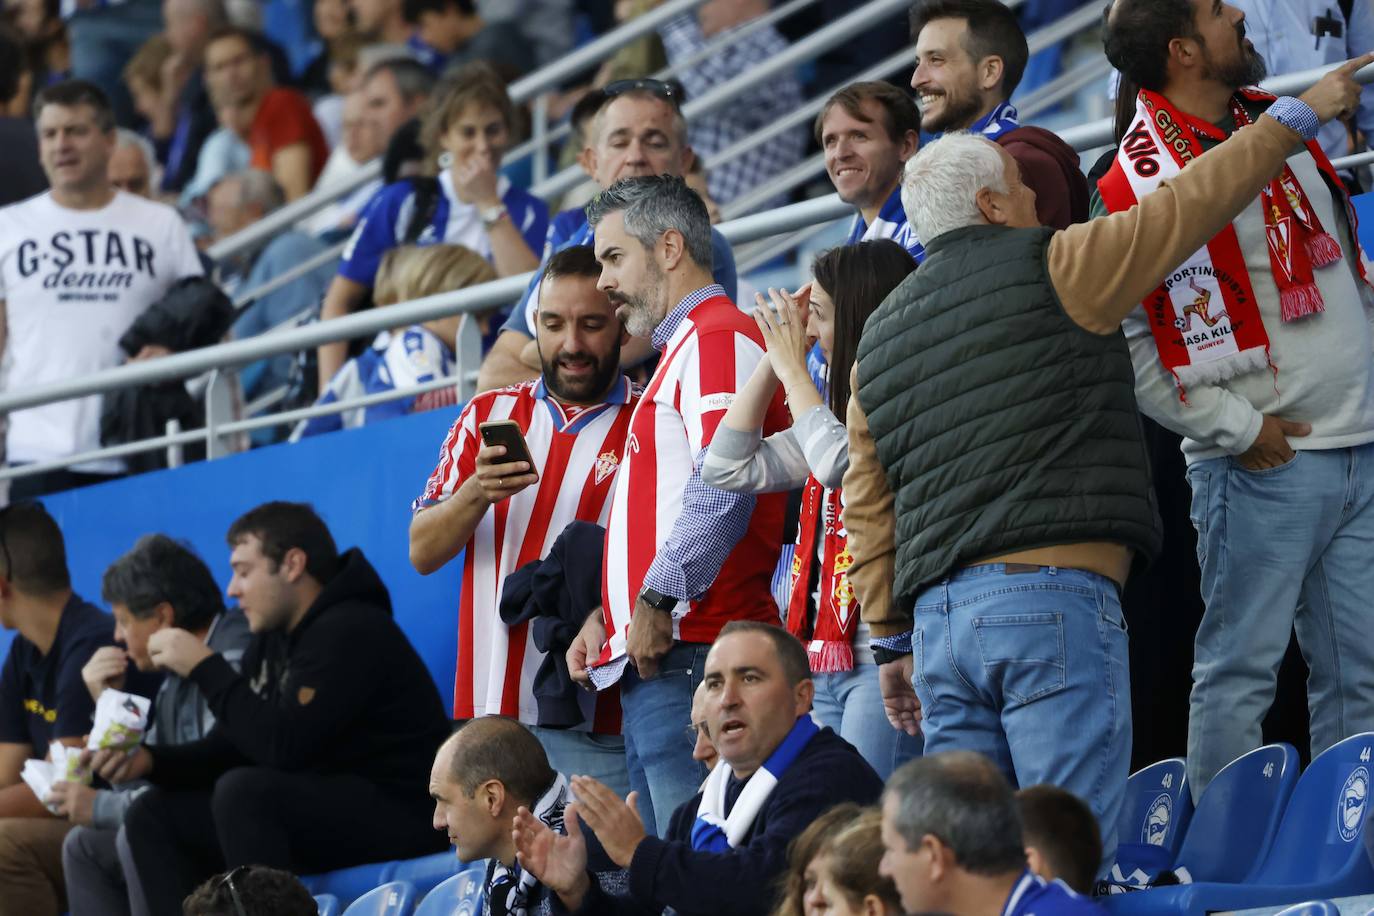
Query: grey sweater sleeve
744, 462
111, 805
825, 443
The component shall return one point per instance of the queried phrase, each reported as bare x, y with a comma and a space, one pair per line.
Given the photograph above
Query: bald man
484, 774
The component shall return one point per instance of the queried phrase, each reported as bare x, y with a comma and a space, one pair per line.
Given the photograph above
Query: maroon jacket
1049, 167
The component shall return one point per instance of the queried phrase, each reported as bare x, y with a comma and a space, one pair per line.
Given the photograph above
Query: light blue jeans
1031, 670
656, 714
852, 705
575, 753
1284, 548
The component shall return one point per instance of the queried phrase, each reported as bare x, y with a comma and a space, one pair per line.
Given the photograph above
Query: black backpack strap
426, 200
1347, 7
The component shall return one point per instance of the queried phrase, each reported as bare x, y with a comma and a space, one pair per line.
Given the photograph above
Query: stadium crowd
767, 607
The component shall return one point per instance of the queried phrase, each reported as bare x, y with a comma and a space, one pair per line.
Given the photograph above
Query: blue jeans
656, 715
102, 41
852, 705
1030, 670
1284, 548
574, 753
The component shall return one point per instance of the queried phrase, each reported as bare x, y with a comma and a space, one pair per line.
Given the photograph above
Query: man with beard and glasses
1258, 351
682, 558
970, 55
502, 514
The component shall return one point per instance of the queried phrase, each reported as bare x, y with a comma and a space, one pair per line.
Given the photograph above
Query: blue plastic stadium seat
1311, 908
460, 895
1154, 818
395, 898
327, 904
1318, 853
348, 884
426, 872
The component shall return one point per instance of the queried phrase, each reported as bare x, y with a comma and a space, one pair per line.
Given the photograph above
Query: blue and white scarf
713, 831
510, 889
997, 122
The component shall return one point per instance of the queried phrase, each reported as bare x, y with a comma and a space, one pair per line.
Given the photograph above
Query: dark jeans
301, 822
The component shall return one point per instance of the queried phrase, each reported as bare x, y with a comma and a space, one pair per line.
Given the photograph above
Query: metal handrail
841, 30
287, 277
521, 90
364, 324
558, 132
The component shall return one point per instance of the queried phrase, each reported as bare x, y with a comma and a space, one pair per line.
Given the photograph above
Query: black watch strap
657, 600
884, 656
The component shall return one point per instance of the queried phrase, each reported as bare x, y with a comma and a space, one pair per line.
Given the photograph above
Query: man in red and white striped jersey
682, 559
505, 514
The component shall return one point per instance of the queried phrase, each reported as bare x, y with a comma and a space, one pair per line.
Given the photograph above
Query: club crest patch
1156, 827
606, 465
1354, 797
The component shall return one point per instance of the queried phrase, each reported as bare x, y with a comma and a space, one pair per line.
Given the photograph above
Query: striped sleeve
457, 457
718, 368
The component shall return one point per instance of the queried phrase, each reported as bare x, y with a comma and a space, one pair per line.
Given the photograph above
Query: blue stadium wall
360, 481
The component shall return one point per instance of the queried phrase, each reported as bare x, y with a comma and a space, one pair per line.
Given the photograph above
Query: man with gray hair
234, 203
133, 164
682, 559
998, 491
952, 843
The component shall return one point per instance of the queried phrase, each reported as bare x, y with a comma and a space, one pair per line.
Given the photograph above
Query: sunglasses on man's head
672, 92
228, 881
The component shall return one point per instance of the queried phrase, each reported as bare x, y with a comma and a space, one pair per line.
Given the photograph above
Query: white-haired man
133, 164
997, 490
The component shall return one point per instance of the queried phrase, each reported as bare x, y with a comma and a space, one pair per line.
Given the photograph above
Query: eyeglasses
692, 732
671, 92
228, 880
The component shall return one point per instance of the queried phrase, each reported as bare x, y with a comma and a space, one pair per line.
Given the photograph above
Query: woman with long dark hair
850, 282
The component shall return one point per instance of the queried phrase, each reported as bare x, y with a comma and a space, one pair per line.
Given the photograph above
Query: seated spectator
185, 117
953, 844
850, 283
468, 124
276, 123
359, 144
251, 890
332, 28
381, 21
699, 731
42, 699
451, 33
488, 771
343, 79
157, 586
333, 703
143, 77
234, 204
412, 356
136, 250
47, 46
23, 176
574, 421
1063, 842
724, 849
834, 867
685, 37
796, 886
638, 131
133, 164
395, 90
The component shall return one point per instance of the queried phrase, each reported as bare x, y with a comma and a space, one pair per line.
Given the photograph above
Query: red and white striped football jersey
577, 452
708, 358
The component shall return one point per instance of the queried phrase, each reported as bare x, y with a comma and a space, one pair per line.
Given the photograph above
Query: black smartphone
507, 433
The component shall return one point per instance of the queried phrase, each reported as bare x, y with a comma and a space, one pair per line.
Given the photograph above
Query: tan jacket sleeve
871, 525
1104, 268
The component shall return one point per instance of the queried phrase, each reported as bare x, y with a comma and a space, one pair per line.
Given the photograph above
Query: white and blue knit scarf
510, 890
713, 831
997, 122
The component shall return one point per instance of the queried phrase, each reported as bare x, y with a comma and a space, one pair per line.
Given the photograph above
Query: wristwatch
657, 600
492, 215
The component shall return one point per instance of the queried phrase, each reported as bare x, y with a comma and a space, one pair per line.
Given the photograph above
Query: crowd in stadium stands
797, 601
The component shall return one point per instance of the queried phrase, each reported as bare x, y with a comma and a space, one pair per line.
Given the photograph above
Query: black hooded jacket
344, 692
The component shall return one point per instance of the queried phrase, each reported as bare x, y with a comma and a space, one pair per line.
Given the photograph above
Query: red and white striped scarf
830, 642
1204, 317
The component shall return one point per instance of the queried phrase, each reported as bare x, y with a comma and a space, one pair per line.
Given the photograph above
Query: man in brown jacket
997, 490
